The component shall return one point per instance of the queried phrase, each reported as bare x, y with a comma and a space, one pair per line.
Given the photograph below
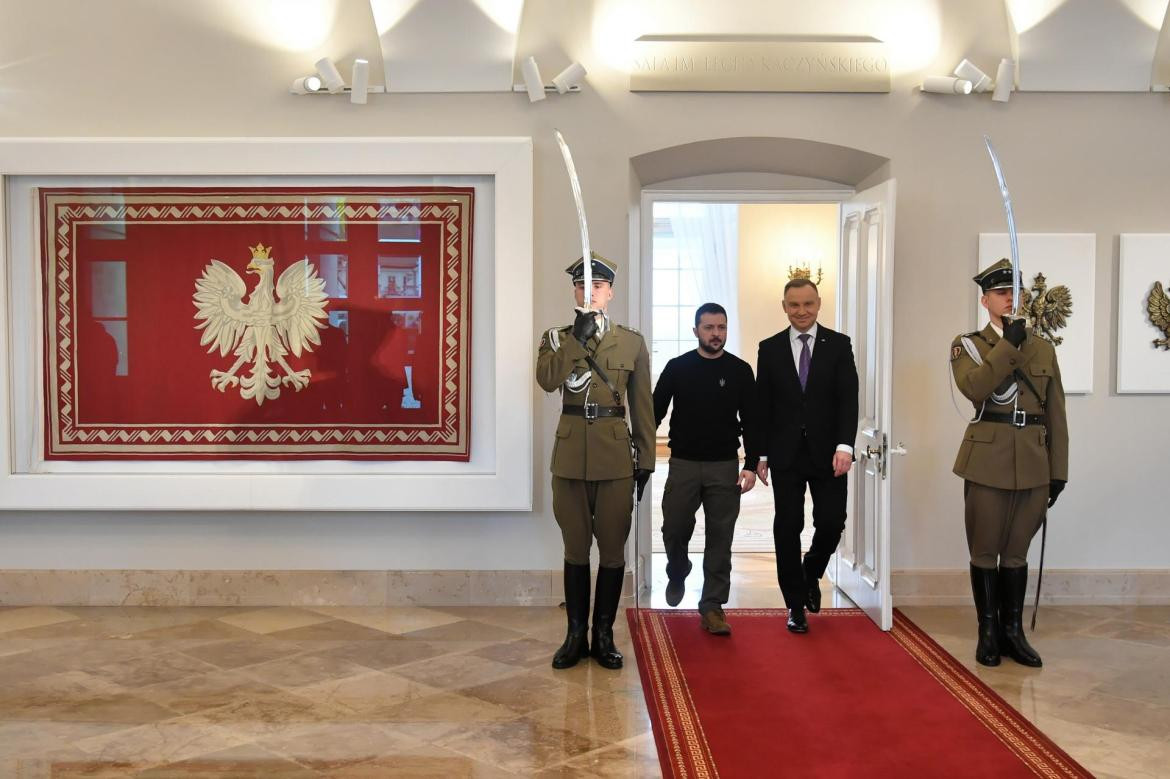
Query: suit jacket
825, 412
603, 448
1000, 455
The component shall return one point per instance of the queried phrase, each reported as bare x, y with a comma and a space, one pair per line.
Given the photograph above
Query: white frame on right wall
1142, 367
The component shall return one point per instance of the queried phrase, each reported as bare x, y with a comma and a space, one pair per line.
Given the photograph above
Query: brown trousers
594, 509
1001, 523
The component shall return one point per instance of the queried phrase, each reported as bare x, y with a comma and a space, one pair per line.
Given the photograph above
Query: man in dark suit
806, 381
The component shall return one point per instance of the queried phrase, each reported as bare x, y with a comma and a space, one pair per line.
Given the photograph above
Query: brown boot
715, 622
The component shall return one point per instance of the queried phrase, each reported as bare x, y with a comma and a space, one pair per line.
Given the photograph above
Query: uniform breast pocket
619, 368
1040, 375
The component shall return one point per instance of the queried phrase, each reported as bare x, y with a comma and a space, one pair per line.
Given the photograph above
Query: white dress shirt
797, 346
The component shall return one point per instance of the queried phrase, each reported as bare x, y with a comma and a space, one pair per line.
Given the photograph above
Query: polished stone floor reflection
462, 692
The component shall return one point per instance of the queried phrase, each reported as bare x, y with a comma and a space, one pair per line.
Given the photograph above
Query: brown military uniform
593, 459
1008, 466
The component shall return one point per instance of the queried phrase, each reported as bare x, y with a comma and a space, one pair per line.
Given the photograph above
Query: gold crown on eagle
261, 252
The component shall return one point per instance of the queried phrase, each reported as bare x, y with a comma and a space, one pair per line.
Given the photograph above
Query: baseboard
1089, 587
283, 588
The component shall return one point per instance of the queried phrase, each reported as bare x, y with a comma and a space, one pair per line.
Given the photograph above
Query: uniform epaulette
631, 329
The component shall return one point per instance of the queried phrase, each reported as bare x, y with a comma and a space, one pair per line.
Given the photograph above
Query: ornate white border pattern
499, 475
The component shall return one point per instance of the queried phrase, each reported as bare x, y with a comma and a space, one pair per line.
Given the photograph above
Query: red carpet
844, 700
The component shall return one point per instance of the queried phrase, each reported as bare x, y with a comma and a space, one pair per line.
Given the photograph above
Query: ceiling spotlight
330, 75
361, 82
532, 80
306, 85
1005, 80
569, 77
946, 85
980, 81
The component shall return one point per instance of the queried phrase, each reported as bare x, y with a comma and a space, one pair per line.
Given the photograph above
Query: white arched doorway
789, 171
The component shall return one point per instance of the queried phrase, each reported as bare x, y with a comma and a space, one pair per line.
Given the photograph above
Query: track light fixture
306, 85
568, 80
532, 81
330, 75
980, 81
1005, 81
946, 85
361, 82
968, 79
569, 77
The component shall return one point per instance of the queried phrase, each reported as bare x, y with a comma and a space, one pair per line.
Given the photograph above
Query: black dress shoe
796, 621
814, 597
676, 588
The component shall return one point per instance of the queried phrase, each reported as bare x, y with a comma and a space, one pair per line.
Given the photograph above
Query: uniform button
1012, 362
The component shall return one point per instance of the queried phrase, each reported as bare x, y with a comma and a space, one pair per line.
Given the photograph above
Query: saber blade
1011, 223
575, 184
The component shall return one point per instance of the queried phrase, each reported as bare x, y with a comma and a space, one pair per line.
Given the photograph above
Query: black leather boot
576, 646
605, 608
1013, 583
983, 587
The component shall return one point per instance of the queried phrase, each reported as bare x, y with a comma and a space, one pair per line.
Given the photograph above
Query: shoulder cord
1002, 399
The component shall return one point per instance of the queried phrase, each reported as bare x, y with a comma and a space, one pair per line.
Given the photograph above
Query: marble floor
463, 692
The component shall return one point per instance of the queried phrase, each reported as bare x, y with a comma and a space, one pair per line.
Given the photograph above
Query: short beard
709, 350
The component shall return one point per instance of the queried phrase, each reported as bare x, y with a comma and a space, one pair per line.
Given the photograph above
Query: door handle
874, 454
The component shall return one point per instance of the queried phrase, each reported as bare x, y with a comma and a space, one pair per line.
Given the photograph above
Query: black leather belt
594, 411
1017, 419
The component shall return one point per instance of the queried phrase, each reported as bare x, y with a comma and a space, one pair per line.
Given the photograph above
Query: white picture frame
1068, 259
1142, 368
498, 476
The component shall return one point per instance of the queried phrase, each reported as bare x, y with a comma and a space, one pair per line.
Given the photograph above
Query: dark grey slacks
712, 485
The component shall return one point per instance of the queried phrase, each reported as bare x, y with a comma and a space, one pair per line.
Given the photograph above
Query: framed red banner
256, 322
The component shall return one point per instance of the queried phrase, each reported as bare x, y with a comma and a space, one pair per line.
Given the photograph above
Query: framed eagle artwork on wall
266, 323
1143, 314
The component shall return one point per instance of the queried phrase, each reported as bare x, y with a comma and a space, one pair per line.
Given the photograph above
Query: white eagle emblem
723, 382
261, 330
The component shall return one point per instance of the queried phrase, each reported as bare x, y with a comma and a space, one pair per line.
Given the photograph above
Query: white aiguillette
759, 63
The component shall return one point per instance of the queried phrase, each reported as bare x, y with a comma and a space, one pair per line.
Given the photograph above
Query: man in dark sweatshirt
713, 392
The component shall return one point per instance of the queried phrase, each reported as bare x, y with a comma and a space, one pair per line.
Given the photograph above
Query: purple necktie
805, 359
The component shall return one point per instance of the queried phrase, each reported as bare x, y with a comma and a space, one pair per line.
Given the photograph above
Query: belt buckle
590, 411
1019, 418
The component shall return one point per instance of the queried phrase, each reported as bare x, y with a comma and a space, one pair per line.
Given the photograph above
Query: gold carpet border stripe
1020, 736
658, 690
675, 692
1004, 720
709, 769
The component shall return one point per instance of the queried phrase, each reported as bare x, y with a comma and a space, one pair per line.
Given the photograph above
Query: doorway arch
738, 169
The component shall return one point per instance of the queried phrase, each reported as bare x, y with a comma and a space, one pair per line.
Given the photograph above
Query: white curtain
707, 237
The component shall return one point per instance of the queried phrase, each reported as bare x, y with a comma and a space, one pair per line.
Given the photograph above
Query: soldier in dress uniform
602, 370
1013, 459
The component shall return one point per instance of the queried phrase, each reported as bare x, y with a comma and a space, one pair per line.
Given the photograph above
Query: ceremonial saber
575, 184
1011, 223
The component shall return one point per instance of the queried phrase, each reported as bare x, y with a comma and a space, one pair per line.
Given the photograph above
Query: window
675, 298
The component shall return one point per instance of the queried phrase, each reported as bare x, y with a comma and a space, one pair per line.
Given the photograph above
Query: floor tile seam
204, 728
484, 759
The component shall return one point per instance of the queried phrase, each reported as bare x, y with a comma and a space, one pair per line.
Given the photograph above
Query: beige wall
1076, 162
772, 238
